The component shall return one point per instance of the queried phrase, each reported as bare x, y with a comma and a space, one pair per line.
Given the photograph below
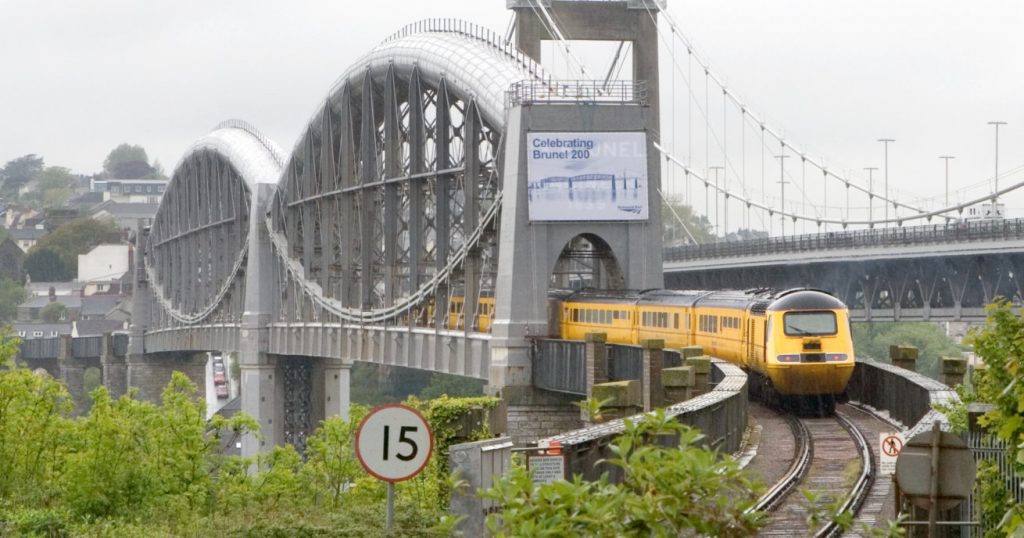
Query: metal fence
86, 347
560, 365
40, 348
119, 341
625, 362
954, 232
985, 447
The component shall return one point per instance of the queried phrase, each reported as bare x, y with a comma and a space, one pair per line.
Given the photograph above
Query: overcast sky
81, 77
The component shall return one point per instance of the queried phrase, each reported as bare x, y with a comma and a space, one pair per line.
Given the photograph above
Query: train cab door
748, 340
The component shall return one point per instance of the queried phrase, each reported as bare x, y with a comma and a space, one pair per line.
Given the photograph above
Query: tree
127, 162
34, 431
873, 339
680, 225
1000, 344
53, 312
12, 294
54, 186
19, 171
43, 264
665, 492
76, 237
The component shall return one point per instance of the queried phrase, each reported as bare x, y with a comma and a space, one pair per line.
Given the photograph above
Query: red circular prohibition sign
379, 420
892, 446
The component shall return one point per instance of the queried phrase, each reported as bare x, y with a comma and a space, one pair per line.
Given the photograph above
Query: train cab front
809, 346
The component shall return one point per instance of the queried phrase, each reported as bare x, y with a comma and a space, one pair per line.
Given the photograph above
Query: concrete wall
907, 396
104, 262
721, 414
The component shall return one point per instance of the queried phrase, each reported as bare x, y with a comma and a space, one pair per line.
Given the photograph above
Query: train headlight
788, 358
835, 357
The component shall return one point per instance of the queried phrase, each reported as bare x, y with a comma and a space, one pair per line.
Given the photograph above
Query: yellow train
798, 341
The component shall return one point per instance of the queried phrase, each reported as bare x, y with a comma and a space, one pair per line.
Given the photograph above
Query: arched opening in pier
587, 261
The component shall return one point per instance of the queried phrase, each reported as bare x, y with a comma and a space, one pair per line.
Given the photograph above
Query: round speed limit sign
394, 442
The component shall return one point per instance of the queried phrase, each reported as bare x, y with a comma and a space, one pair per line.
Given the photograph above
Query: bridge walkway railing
954, 232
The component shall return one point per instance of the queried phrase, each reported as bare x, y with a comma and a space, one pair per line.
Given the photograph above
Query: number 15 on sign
394, 443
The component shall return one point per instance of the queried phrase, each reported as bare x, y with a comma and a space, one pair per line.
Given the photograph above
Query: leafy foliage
873, 339
44, 264
681, 491
54, 185
680, 223
19, 171
1001, 345
12, 294
53, 312
128, 161
76, 237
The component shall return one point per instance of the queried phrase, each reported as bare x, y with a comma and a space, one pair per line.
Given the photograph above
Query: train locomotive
797, 344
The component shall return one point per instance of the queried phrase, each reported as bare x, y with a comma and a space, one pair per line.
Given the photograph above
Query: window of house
53, 333
37, 333
675, 318
21, 334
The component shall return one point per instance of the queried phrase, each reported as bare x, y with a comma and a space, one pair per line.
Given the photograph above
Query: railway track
831, 458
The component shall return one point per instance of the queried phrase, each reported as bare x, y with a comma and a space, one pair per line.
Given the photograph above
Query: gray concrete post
953, 370
72, 373
521, 305
262, 390
904, 356
337, 388
115, 369
596, 350
650, 375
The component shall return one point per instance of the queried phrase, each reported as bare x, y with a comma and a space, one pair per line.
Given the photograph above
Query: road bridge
945, 272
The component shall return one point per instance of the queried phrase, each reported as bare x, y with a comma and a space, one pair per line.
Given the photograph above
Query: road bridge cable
764, 126
927, 215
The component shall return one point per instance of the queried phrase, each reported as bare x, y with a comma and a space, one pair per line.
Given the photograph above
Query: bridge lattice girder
390, 199
196, 248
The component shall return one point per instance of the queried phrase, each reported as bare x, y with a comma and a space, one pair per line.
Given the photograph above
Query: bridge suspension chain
761, 123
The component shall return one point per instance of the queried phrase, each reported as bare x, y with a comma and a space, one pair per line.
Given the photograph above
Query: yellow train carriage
799, 340
810, 347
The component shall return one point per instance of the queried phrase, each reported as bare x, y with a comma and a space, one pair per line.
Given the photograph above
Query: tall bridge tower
581, 180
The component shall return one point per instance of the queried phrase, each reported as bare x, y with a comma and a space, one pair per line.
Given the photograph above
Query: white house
103, 263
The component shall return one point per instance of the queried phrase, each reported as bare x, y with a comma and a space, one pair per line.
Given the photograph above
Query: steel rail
797, 470
861, 487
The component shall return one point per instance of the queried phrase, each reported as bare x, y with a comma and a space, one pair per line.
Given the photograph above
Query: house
25, 238
97, 327
134, 191
126, 215
104, 263
29, 310
45, 289
96, 307
27, 331
11, 260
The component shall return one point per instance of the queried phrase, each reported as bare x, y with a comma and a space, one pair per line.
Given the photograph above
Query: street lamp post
995, 191
871, 193
886, 141
947, 158
782, 182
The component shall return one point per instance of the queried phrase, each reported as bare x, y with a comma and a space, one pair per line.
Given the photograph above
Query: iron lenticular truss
390, 199
199, 238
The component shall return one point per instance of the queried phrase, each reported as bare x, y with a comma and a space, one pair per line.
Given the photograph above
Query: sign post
890, 445
394, 443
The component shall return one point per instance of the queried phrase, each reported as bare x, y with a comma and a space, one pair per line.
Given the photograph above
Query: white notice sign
587, 176
889, 447
546, 469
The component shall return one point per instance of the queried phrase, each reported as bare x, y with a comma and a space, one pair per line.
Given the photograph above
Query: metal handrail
954, 232
576, 91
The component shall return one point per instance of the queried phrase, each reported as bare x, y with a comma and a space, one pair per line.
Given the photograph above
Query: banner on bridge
587, 176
